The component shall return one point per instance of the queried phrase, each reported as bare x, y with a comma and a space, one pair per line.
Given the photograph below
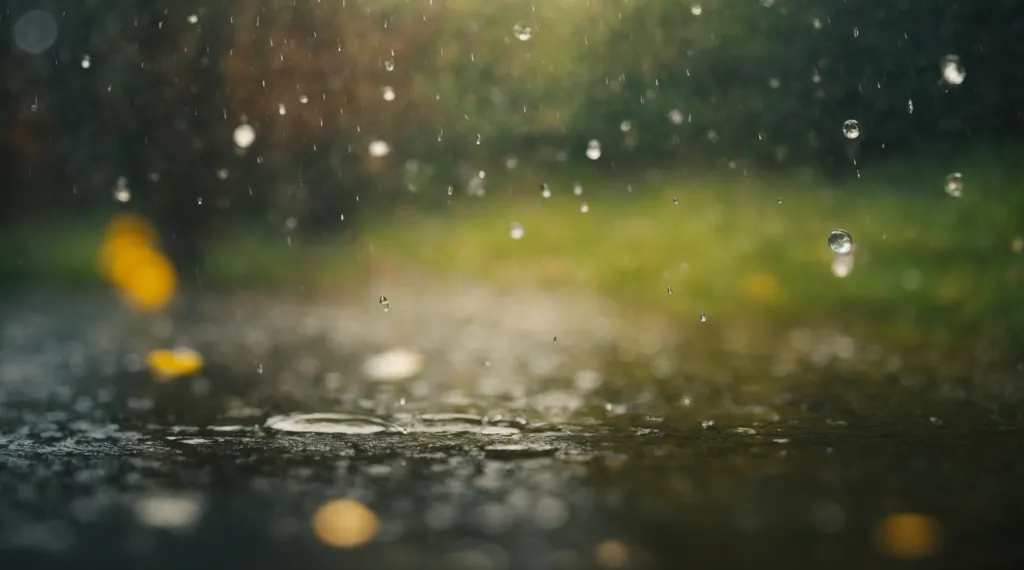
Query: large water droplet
516, 230
851, 129
379, 148
840, 242
952, 72
244, 135
522, 31
594, 149
955, 185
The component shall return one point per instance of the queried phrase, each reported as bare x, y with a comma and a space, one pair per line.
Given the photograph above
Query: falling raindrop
840, 242
86, 61
199, 200
280, 109
696, 9
851, 129
387, 93
516, 230
384, 303
545, 190
450, 190
244, 135
577, 189
193, 18
952, 72
389, 65
584, 208
675, 201
703, 318
955, 185
675, 116
522, 31
669, 290
379, 148
910, 106
121, 192
594, 149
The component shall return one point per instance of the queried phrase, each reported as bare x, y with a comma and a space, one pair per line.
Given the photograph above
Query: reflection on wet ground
455, 437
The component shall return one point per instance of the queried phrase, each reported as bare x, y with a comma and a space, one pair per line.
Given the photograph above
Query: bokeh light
130, 260
170, 364
345, 523
909, 536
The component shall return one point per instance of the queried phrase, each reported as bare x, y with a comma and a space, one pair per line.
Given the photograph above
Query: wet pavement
470, 438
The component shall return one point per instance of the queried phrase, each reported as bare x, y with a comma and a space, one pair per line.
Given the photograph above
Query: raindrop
851, 129
910, 105
779, 200
584, 208
387, 93
625, 126
385, 303
193, 19
389, 65
675, 201
703, 318
696, 9
774, 83
244, 135
86, 61
545, 190
554, 340
955, 185
577, 189
280, 109
516, 230
259, 368
35, 31
840, 242
303, 99
952, 72
379, 148
222, 173
594, 149
676, 116
121, 192
522, 31
199, 200
669, 290
450, 190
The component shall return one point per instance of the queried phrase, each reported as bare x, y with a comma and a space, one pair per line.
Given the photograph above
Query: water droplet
259, 368
774, 83
389, 65
675, 201
545, 190
303, 99
379, 148
669, 290
910, 106
594, 149
817, 23
703, 318
625, 126
584, 207
384, 303
952, 72
851, 129
840, 242
223, 173
393, 365
675, 116
696, 9
193, 18
121, 192
577, 189
244, 135
554, 340
86, 61
955, 185
516, 230
522, 31
387, 93
35, 31
779, 199
450, 190
280, 109
199, 200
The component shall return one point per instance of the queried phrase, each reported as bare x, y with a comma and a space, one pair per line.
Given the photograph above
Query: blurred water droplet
384, 303
280, 109
379, 148
86, 62
388, 93
696, 9
669, 290
522, 31
193, 18
910, 105
545, 190
842, 265
259, 368
330, 423
955, 185
554, 340
121, 192
817, 23
625, 126
223, 173
303, 99
675, 116
389, 65
703, 318
35, 31
675, 201
840, 242
584, 207
594, 149
244, 135
953, 72
199, 200
450, 190
779, 200
393, 365
577, 189
851, 129
516, 230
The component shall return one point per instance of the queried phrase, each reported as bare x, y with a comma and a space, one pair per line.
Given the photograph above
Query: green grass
927, 265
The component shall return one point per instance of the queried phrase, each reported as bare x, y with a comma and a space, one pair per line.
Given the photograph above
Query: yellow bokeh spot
345, 523
170, 364
761, 287
130, 260
908, 536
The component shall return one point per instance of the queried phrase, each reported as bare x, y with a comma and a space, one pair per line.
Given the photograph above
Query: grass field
730, 246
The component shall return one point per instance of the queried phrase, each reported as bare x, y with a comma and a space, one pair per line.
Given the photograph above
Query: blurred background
608, 219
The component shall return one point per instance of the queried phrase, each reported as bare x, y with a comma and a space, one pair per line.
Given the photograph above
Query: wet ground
486, 430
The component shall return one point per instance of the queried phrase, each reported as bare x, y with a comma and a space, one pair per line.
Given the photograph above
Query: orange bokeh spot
130, 260
908, 536
170, 364
345, 523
